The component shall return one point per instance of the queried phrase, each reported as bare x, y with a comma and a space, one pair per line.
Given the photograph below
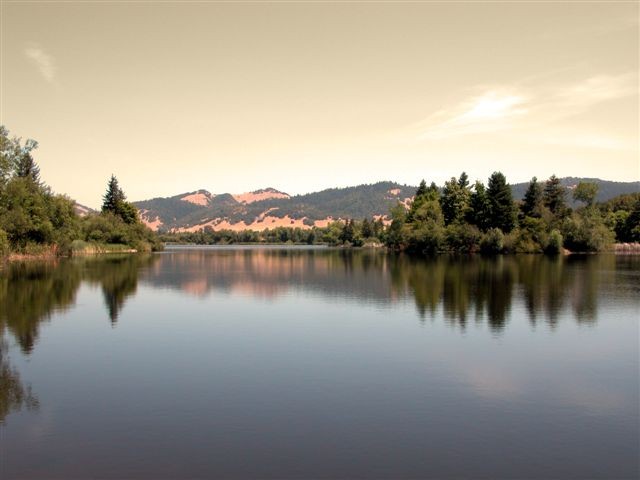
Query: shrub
554, 244
462, 238
586, 232
492, 242
4, 243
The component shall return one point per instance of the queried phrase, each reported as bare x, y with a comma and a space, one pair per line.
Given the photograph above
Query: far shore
52, 252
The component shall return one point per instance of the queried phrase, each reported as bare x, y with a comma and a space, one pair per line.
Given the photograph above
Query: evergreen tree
25, 166
463, 181
532, 203
367, 231
479, 211
554, 197
113, 198
501, 207
422, 188
348, 231
632, 223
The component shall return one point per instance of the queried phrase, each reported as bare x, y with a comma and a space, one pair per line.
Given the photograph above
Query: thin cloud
44, 62
492, 111
525, 108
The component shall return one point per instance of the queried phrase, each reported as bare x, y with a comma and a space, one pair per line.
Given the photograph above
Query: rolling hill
269, 208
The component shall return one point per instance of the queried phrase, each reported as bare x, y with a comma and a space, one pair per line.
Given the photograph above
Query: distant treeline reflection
459, 289
465, 288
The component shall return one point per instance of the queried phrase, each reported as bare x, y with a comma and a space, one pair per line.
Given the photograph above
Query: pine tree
422, 189
501, 207
348, 230
114, 197
554, 197
367, 231
25, 166
532, 203
478, 213
463, 181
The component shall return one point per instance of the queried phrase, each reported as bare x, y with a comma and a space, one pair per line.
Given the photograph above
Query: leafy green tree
426, 234
585, 231
586, 192
554, 197
455, 200
395, 235
501, 207
532, 203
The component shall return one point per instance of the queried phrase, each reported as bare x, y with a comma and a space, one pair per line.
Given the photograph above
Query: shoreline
52, 253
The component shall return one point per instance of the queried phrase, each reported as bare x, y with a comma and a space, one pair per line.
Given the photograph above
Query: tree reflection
118, 279
14, 395
458, 289
31, 291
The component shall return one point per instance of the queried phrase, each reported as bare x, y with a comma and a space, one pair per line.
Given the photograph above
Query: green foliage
554, 197
479, 213
632, 224
586, 232
532, 203
347, 233
26, 216
492, 242
455, 199
586, 192
114, 201
501, 207
462, 238
425, 232
4, 243
108, 228
554, 244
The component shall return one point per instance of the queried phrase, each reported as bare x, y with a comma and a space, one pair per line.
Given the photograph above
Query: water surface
319, 363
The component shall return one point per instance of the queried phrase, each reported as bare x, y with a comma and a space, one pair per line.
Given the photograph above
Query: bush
586, 232
492, 242
554, 244
462, 238
4, 243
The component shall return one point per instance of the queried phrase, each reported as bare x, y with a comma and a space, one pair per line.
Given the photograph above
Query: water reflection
14, 394
31, 291
463, 287
292, 357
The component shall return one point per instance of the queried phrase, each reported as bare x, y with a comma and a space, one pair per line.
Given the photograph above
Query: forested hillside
194, 210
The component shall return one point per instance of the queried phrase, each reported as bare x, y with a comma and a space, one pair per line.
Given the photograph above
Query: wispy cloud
44, 62
526, 108
491, 111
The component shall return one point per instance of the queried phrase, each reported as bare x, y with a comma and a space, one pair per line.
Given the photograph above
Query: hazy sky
300, 96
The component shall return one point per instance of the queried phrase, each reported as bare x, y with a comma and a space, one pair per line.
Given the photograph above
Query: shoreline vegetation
456, 218
37, 223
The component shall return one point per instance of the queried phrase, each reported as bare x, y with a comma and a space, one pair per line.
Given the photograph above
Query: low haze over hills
270, 208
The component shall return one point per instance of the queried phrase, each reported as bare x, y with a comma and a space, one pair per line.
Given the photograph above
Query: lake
247, 362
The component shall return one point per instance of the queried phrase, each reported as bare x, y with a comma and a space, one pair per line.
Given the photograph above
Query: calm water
318, 363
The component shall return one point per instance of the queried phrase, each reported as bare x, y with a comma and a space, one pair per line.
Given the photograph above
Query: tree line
36, 221
464, 218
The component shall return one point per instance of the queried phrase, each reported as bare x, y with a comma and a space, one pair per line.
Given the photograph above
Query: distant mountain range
270, 208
